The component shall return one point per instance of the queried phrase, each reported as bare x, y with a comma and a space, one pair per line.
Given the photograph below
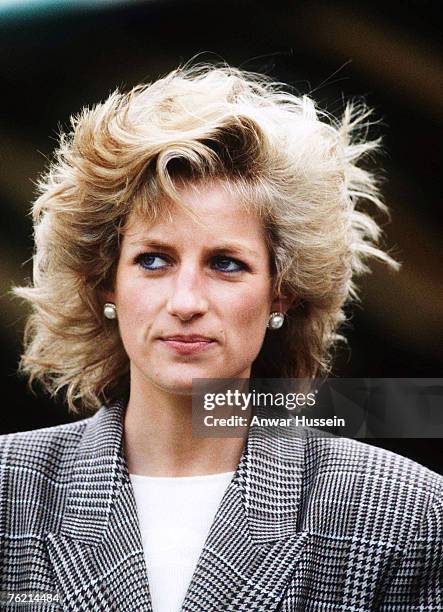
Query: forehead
209, 213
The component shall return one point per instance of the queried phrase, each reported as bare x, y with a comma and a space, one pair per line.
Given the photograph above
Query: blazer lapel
254, 544
250, 553
97, 556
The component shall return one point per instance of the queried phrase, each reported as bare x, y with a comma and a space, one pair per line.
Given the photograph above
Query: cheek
249, 315
135, 313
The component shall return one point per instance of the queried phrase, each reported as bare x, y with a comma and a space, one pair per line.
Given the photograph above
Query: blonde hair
293, 164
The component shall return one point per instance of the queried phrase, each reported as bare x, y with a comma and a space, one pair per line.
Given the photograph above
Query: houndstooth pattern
308, 523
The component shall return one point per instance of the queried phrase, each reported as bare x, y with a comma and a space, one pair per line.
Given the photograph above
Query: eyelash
142, 257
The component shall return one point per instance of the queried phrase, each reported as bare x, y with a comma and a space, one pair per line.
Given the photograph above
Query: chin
178, 385
177, 378
182, 385
174, 381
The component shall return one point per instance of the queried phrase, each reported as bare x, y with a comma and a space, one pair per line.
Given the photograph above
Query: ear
107, 296
282, 303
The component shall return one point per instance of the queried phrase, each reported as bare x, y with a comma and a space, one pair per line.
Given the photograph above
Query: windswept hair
292, 164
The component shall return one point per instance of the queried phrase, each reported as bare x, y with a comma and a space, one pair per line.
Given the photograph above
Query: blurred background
56, 56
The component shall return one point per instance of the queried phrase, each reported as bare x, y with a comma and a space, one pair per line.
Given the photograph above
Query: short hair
294, 165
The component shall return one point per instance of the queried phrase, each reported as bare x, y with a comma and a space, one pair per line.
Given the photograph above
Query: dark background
56, 57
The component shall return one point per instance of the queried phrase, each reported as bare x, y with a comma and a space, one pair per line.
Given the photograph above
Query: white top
175, 516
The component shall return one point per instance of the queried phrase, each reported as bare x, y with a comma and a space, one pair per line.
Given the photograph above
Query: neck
158, 438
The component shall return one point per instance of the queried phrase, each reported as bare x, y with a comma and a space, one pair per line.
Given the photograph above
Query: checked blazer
308, 523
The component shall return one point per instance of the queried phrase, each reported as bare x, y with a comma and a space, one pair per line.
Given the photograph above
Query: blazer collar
269, 476
99, 473
257, 515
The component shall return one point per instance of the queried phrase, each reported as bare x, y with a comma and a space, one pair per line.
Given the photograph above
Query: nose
187, 298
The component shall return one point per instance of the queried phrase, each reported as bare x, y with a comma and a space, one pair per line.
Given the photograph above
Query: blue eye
227, 264
150, 261
156, 261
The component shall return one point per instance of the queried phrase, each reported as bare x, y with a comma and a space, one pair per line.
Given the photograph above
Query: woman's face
193, 299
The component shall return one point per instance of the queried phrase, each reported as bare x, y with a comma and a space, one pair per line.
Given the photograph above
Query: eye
228, 264
150, 261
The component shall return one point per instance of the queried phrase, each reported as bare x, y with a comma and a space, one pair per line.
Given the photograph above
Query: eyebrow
228, 246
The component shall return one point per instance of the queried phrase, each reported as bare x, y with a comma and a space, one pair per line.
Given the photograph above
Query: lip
185, 345
188, 338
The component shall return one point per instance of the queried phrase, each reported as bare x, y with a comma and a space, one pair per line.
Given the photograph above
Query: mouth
185, 345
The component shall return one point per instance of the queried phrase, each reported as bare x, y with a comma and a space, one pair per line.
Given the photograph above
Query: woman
208, 225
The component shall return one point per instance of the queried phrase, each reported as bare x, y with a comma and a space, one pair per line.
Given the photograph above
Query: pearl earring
110, 310
276, 320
